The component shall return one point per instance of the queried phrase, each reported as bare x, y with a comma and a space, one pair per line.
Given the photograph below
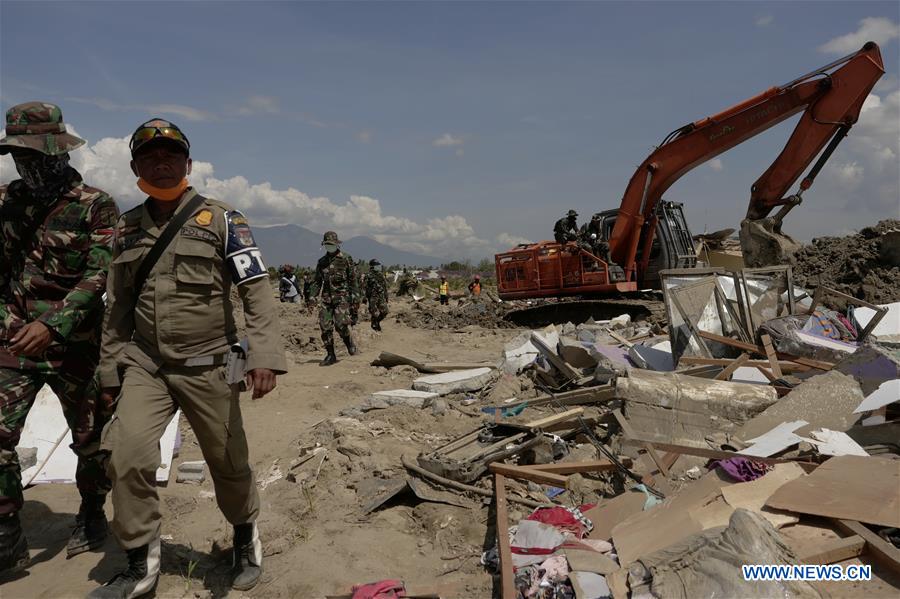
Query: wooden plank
756, 349
587, 466
620, 338
862, 488
835, 551
783, 364
629, 432
770, 354
729, 370
507, 579
556, 418
525, 473
767, 373
589, 395
707, 453
876, 547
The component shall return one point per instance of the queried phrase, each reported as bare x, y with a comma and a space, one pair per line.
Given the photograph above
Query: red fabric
561, 518
384, 589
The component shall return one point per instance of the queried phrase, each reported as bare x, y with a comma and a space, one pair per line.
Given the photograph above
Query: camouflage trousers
77, 387
335, 315
378, 310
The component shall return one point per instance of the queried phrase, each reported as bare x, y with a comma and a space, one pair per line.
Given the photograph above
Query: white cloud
765, 20
850, 174
506, 240
105, 164
875, 29
447, 140
258, 104
187, 112
716, 165
364, 136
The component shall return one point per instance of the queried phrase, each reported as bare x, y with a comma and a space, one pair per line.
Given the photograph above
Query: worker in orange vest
444, 291
475, 286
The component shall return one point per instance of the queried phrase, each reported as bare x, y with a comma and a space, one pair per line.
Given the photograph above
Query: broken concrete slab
652, 358
684, 410
576, 353
588, 585
191, 472
459, 381
871, 365
824, 401
401, 397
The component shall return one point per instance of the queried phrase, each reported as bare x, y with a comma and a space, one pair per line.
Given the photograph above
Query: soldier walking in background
168, 342
288, 289
376, 294
336, 280
55, 250
354, 307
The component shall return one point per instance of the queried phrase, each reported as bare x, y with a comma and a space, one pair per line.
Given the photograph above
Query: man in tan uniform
165, 345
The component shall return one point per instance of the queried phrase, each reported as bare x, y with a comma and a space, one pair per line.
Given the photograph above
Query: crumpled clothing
383, 589
566, 519
534, 541
741, 469
556, 569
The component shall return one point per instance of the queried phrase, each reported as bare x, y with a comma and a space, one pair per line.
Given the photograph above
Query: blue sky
450, 128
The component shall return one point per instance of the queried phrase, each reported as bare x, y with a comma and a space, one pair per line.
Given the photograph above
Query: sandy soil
316, 540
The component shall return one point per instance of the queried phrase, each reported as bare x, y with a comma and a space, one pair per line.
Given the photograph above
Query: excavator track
647, 306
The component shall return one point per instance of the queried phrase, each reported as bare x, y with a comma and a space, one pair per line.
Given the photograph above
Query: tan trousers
146, 403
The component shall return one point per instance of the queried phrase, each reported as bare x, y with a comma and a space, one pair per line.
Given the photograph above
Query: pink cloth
383, 589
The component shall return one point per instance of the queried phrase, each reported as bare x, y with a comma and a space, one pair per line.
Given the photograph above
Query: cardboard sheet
848, 487
754, 494
607, 514
46, 424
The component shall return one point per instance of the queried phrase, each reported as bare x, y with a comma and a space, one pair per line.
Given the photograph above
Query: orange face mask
166, 194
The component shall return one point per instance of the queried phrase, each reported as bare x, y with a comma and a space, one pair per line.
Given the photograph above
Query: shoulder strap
163, 242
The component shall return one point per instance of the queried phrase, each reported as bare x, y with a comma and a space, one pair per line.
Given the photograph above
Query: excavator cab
672, 245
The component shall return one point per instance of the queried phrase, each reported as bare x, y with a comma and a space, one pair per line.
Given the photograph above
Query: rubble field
865, 265
464, 457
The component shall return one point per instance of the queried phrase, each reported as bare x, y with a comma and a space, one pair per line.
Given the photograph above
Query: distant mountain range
293, 244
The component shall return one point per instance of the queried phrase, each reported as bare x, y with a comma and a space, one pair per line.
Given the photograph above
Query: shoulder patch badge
241, 252
203, 218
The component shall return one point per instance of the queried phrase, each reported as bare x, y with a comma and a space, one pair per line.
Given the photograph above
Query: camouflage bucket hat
38, 126
330, 237
374, 262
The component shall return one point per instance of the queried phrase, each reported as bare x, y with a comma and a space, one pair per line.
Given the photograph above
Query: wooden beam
770, 354
589, 395
835, 551
704, 452
574, 467
525, 473
880, 550
507, 579
729, 370
620, 338
556, 418
758, 349
783, 364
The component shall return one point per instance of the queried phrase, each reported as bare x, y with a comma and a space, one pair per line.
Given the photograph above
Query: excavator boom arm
831, 101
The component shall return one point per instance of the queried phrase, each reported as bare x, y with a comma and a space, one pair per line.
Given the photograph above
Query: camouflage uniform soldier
354, 308
336, 280
376, 294
566, 228
55, 250
166, 345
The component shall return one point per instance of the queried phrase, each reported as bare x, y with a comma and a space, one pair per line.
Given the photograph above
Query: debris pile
645, 464
483, 313
865, 265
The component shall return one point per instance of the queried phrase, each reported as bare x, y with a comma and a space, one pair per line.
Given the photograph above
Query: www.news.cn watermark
806, 572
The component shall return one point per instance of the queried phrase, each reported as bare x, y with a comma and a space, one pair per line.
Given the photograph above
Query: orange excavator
647, 234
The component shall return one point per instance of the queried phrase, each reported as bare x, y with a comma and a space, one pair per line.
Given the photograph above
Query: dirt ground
316, 540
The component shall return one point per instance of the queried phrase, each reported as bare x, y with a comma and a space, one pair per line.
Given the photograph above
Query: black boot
138, 578
13, 546
330, 358
351, 346
246, 565
376, 325
91, 527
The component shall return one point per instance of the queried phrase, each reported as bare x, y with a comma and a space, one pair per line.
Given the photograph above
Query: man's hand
108, 395
261, 380
31, 340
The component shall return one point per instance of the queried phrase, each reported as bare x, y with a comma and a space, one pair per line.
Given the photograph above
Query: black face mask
43, 175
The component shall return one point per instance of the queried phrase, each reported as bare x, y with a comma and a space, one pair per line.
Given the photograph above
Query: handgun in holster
236, 364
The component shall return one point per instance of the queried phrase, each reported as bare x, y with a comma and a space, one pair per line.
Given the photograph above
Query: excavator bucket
763, 243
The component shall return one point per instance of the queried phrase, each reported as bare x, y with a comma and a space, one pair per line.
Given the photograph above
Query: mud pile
481, 313
863, 265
